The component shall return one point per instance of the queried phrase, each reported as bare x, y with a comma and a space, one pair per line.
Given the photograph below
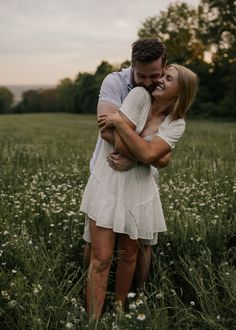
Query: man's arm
106, 108
122, 163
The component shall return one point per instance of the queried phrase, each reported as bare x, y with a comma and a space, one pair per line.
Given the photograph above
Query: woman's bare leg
143, 266
102, 247
86, 255
128, 250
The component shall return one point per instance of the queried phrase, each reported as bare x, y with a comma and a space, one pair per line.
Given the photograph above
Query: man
148, 61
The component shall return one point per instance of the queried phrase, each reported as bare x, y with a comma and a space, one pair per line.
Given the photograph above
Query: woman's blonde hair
188, 85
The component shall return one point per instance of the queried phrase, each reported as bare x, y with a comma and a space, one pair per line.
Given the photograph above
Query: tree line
201, 38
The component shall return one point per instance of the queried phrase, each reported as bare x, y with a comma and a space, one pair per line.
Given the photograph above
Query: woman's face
167, 86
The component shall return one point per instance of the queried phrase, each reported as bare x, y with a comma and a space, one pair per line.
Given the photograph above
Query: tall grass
44, 168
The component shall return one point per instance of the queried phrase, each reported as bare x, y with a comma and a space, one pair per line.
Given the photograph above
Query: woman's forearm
142, 150
121, 147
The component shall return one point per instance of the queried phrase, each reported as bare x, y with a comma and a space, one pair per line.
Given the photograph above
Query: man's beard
149, 88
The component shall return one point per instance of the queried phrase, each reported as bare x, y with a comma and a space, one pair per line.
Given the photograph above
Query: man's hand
119, 162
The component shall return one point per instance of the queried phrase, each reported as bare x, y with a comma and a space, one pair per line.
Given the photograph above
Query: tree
190, 34
87, 88
66, 95
31, 102
178, 29
218, 22
49, 100
85, 93
219, 25
103, 69
6, 100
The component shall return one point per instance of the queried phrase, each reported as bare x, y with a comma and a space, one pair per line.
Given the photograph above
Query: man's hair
148, 50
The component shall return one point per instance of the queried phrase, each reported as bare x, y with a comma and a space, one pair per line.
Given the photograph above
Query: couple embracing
141, 113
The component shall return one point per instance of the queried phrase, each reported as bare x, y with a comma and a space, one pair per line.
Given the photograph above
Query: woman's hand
108, 121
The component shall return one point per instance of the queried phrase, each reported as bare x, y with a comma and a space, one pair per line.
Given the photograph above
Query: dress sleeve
172, 132
136, 107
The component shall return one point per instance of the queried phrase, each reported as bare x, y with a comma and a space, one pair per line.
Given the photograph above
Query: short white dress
127, 202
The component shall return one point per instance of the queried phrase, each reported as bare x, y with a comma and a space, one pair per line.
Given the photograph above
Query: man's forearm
108, 135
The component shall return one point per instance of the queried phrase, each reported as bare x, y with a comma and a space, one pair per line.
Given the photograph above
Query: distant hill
17, 90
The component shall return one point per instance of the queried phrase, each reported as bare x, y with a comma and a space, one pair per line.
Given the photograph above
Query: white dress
127, 202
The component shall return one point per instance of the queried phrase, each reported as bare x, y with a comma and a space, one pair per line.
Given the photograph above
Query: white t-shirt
115, 87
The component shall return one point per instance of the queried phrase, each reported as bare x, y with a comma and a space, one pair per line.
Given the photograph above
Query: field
44, 168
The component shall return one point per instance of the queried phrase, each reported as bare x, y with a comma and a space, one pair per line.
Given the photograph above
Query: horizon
46, 41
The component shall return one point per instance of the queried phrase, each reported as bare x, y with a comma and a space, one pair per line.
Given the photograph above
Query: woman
128, 203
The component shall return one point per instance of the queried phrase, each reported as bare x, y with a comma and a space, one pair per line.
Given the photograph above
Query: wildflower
128, 316
132, 306
69, 325
114, 326
5, 294
192, 303
159, 295
218, 317
82, 309
141, 317
139, 302
131, 295
173, 292
12, 303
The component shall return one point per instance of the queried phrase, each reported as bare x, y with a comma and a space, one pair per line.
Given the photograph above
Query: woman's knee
101, 260
128, 255
128, 250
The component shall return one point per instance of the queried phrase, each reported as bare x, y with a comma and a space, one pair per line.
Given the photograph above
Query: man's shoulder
123, 76
115, 87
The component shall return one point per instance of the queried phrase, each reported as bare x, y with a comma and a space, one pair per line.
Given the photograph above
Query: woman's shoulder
169, 122
140, 92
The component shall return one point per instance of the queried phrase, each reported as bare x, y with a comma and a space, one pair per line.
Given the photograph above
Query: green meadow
44, 162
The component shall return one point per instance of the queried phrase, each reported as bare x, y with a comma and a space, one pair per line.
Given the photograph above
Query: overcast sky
44, 41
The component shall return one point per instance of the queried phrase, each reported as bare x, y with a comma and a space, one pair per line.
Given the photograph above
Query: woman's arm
146, 152
120, 146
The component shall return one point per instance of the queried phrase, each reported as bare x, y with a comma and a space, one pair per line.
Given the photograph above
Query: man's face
147, 74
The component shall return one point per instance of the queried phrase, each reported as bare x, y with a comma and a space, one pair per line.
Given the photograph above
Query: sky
44, 41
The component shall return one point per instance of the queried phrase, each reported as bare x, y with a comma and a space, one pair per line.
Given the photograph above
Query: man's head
148, 61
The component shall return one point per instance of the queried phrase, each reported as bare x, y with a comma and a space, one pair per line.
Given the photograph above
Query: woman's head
177, 88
